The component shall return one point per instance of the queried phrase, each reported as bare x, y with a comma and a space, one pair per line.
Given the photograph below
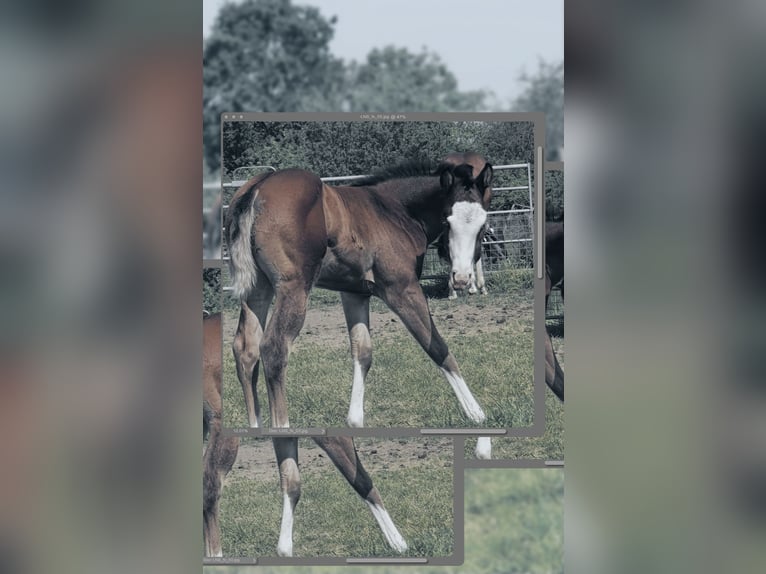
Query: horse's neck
421, 197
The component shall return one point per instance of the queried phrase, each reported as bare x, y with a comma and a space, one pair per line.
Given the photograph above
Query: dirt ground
488, 314
256, 460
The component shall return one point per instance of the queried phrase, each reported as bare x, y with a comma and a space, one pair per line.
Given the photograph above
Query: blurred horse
554, 275
221, 452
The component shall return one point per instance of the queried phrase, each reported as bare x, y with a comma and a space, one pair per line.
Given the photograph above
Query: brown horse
287, 231
554, 253
221, 453
476, 282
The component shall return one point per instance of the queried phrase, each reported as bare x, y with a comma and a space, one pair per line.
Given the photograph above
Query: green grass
514, 519
550, 446
331, 519
514, 523
404, 388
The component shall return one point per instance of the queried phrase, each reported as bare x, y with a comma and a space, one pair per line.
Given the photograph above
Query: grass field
491, 337
550, 446
514, 524
414, 477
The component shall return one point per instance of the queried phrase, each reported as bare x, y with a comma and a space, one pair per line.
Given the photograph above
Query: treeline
554, 195
274, 56
347, 148
357, 148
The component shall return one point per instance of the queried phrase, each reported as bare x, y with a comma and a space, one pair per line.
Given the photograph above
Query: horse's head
465, 218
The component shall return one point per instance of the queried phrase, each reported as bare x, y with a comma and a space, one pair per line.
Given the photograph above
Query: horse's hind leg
286, 450
247, 341
357, 311
410, 305
286, 322
343, 454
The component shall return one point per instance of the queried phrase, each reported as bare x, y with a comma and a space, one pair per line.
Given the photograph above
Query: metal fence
507, 241
554, 313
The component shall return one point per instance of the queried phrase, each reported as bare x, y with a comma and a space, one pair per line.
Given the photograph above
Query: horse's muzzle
460, 281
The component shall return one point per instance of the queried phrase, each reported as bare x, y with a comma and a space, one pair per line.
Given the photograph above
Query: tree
554, 195
267, 55
396, 80
211, 289
544, 92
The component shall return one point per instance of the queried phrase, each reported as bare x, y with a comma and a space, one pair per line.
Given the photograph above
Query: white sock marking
469, 405
472, 289
356, 408
483, 448
480, 283
394, 539
285, 544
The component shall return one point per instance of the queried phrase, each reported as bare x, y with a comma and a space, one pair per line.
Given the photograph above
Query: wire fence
508, 237
554, 313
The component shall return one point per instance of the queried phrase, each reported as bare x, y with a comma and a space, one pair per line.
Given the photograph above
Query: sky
487, 44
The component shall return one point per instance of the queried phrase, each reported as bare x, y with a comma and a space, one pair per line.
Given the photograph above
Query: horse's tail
240, 218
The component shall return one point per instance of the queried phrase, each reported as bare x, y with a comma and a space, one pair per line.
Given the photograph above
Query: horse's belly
345, 272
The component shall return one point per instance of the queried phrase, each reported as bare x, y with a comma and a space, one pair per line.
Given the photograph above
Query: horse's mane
411, 168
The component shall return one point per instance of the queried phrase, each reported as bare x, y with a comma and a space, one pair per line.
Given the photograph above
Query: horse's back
295, 187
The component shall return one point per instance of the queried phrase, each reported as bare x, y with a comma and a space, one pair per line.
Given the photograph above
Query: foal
287, 231
221, 453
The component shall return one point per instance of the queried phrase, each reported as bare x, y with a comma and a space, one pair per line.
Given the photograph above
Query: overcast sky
486, 43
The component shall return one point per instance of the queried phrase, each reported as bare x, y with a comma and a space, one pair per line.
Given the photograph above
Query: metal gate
507, 241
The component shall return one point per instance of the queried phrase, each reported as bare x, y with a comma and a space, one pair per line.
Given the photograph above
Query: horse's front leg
480, 283
286, 450
357, 311
451, 286
472, 290
406, 299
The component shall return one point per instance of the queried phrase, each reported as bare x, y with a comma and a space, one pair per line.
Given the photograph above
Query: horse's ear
484, 180
447, 178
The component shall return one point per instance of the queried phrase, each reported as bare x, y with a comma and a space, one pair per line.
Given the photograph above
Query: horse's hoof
452, 296
483, 291
355, 422
472, 291
483, 449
